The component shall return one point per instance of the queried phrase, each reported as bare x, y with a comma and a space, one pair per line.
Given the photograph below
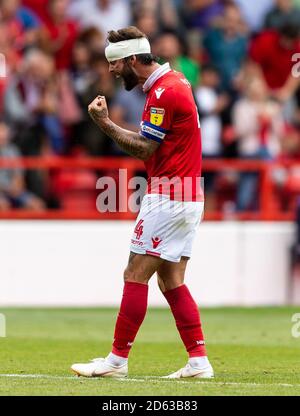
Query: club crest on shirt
157, 116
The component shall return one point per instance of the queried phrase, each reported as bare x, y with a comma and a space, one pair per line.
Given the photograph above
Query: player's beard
129, 77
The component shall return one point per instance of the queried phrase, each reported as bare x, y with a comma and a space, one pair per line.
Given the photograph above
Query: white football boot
100, 368
192, 372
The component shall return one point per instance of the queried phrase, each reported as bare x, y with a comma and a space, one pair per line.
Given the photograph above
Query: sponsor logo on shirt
152, 131
157, 116
136, 243
159, 92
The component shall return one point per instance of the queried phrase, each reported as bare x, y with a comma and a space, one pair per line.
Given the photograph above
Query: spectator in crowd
31, 24
80, 71
31, 104
249, 70
284, 12
102, 83
105, 15
60, 33
258, 125
127, 108
272, 51
93, 39
170, 49
126, 111
13, 193
201, 14
287, 179
86, 59
11, 35
39, 7
147, 22
2, 84
19, 30
254, 13
210, 104
290, 145
163, 10
227, 45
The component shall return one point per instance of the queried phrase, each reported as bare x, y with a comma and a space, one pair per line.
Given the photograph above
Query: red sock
186, 314
131, 315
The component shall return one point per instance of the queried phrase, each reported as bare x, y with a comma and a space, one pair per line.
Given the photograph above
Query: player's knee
131, 275
169, 284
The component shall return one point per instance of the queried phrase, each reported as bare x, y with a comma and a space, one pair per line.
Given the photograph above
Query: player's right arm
132, 143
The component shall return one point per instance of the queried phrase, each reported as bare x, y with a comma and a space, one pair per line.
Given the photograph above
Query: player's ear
133, 60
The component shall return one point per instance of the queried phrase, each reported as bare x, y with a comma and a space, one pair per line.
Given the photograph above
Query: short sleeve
158, 117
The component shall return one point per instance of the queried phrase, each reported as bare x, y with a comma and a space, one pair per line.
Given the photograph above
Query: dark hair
87, 34
96, 58
145, 58
209, 67
290, 30
132, 32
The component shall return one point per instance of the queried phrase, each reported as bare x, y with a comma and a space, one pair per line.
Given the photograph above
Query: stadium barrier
269, 208
81, 263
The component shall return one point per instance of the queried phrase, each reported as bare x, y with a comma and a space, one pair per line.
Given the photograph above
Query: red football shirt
65, 35
171, 118
274, 60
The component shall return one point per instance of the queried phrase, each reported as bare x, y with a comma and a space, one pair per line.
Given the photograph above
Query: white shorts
166, 228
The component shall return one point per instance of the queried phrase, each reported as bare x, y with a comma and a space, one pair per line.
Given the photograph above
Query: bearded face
129, 77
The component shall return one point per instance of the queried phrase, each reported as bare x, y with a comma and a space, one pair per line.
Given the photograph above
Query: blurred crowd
240, 57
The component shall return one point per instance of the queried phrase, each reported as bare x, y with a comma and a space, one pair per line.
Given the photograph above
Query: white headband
125, 48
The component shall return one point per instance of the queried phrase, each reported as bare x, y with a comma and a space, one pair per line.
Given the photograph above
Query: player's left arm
133, 143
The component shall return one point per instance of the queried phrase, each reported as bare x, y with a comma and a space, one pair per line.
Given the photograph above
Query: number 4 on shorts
138, 231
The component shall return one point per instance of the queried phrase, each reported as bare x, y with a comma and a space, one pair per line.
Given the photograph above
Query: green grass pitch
252, 351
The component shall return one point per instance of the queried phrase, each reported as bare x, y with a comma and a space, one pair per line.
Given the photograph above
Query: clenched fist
98, 109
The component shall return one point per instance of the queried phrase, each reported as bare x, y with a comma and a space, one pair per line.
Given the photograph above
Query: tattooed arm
133, 143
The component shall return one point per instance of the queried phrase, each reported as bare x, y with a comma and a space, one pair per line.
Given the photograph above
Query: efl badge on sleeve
157, 116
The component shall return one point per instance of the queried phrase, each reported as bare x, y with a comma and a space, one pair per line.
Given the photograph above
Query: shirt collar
158, 73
